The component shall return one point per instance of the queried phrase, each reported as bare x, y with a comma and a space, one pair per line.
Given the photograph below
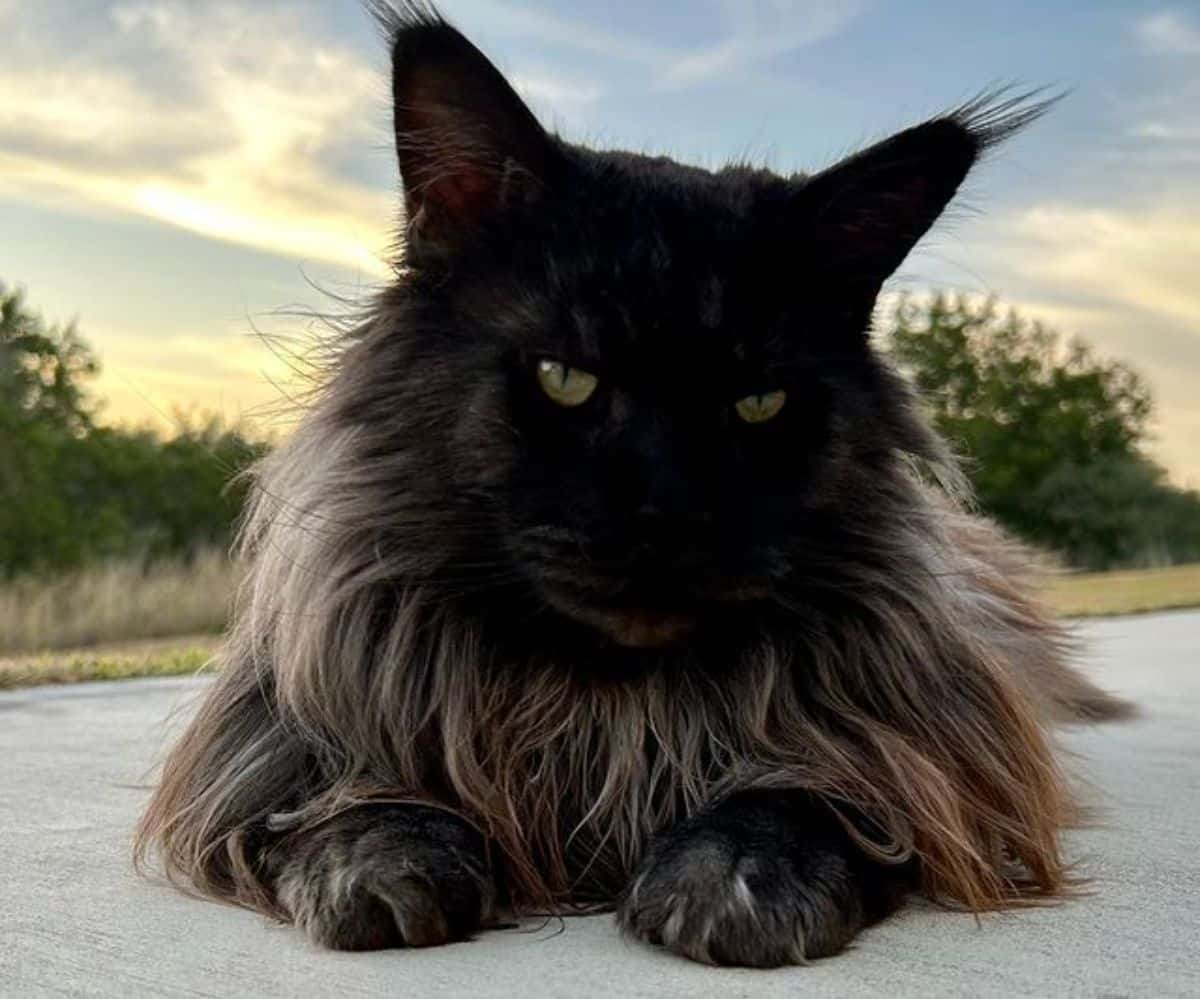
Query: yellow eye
568, 387
760, 408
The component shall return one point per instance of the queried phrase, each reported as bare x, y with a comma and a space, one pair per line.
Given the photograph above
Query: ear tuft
394, 16
469, 148
867, 212
996, 114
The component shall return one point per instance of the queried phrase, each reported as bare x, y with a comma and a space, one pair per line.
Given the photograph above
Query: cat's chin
636, 624
630, 627
643, 629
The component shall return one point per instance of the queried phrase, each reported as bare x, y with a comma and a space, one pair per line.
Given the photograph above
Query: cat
614, 567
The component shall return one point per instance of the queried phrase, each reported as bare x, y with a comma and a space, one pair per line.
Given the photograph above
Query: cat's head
658, 377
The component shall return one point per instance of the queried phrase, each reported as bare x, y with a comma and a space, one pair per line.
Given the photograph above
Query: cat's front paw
745, 886
387, 876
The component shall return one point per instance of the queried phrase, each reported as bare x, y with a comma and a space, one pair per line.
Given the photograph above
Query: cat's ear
867, 212
469, 148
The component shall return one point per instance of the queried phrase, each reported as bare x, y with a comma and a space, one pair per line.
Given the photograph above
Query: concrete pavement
75, 921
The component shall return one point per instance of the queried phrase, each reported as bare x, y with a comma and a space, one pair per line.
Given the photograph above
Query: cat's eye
567, 386
760, 408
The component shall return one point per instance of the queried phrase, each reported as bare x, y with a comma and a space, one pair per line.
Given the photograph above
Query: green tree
43, 369
73, 491
1053, 434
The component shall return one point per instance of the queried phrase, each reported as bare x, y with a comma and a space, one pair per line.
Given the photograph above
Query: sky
183, 175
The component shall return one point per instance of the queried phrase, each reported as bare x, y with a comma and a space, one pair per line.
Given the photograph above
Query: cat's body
613, 567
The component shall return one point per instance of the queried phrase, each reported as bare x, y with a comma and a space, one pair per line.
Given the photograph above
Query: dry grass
161, 657
119, 621
1105, 593
116, 603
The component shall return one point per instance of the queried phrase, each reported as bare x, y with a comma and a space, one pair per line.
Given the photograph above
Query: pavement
75, 920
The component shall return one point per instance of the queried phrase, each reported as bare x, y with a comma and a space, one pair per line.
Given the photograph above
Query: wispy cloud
1144, 259
213, 120
531, 23
557, 98
760, 30
223, 119
1167, 131
1123, 277
240, 381
1165, 119
1169, 31
749, 33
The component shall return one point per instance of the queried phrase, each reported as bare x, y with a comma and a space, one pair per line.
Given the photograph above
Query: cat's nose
648, 514
648, 527
663, 482
670, 494
660, 535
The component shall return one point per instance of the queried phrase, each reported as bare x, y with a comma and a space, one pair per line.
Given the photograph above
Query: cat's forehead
653, 255
639, 217
663, 212
702, 329
640, 306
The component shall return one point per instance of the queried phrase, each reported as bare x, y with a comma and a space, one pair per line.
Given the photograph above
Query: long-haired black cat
613, 567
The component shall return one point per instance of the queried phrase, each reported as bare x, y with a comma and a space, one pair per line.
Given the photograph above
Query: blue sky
171, 172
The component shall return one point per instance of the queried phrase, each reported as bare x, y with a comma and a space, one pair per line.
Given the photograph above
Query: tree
73, 491
42, 368
1053, 435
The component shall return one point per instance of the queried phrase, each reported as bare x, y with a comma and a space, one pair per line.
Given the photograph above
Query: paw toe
718, 908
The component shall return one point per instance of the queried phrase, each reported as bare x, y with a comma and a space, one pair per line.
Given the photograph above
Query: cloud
215, 120
752, 32
1169, 31
1124, 278
555, 91
760, 30
555, 98
246, 122
239, 121
528, 23
240, 381
1147, 260
1167, 132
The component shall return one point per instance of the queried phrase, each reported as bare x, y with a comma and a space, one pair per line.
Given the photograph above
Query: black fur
575, 625
764, 878
386, 876
683, 291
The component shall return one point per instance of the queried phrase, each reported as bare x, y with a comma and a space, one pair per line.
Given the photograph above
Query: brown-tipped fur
925, 710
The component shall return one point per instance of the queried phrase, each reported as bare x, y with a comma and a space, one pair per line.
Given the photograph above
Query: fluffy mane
912, 682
